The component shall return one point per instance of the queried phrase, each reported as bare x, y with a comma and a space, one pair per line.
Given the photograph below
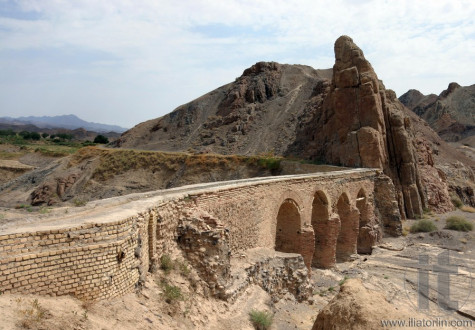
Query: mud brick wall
89, 261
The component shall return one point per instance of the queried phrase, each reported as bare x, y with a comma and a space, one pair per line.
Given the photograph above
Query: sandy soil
392, 269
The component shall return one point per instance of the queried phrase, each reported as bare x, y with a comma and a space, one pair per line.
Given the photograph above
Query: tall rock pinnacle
363, 125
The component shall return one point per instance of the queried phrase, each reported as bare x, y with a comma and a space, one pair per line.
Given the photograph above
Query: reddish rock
363, 125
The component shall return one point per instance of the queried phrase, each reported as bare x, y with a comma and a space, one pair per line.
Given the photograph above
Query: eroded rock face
52, 192
363, 125
205, 243
450, 113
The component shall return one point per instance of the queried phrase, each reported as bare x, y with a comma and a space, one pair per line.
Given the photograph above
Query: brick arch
321, 227
288, 227
349, 224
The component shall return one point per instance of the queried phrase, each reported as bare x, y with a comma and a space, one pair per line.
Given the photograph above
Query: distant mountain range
64, 121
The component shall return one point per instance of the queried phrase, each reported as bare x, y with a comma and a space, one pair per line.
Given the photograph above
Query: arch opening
347, 237
288, 228
319, 221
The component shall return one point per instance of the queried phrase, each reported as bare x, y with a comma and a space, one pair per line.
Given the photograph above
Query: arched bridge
105, 248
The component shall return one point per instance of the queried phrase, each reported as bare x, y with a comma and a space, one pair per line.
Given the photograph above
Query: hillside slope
257, 113
451, 113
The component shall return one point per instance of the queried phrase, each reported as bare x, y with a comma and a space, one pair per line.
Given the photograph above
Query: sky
126, 61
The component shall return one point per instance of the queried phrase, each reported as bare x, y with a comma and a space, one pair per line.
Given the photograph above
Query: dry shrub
456, 201
261, 320
458, 223
424, 226
467, 208
32, 314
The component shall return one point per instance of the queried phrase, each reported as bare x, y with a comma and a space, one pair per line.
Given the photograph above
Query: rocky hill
342, 116
257, 113
451, 113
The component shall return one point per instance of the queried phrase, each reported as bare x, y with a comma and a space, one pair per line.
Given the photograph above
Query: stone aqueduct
106, 248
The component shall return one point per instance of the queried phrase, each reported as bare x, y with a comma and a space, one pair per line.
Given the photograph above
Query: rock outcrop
451, 114
363, 125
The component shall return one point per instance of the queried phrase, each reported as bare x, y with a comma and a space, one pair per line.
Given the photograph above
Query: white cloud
152, 55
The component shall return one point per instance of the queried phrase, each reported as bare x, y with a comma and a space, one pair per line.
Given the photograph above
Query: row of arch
336, 233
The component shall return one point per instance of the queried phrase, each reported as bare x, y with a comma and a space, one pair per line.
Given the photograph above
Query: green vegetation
79, 202
166, 263
30, 135
456, 201
101, 139
261, 320
269, 163
185, 270
458, 223
29, 208
343, 281
423, 225
171, 293
7, 132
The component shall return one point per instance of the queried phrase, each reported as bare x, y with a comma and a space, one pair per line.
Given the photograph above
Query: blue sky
124, 61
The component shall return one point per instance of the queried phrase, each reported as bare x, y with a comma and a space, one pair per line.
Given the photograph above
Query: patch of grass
424, 226
49, 152
171, 293
467, 208
386, 277
261, 320
32, 314
343, 281
405, 230
331, 289
166, 263
29, 208
79, 202
185, 270
458, 223
44, 210
428, 211
456, 201
10, 155
271, 163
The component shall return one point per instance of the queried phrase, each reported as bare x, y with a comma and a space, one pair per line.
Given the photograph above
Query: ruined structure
277, 227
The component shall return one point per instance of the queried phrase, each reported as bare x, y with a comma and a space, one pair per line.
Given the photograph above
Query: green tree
101, 139
45, 135
35, 136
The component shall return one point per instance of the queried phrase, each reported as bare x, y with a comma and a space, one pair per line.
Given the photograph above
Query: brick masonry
97, 254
